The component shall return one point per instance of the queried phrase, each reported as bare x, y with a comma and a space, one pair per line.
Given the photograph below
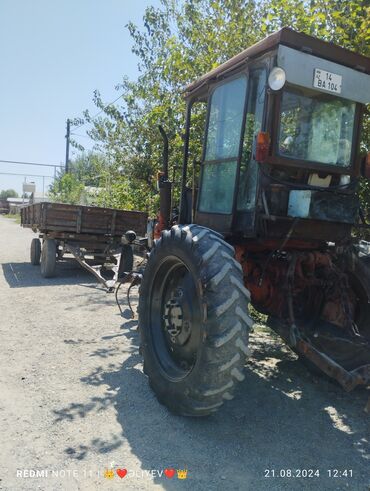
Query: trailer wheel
35, 252
126, 263
193, 320
48, 258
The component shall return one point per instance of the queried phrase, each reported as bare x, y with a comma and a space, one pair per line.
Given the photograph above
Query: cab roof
292, 39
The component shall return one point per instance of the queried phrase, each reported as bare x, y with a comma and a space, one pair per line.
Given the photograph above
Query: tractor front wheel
193, 320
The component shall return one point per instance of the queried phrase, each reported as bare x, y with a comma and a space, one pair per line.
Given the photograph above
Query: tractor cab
281, 145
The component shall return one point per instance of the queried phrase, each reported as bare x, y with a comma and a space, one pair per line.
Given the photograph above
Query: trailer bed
78, 219
96, 237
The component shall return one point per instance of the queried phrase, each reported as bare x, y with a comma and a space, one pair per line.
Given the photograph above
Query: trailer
4, 207
100, 239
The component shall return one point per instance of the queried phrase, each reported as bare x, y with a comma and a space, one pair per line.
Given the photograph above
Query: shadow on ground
23, 275
282, 418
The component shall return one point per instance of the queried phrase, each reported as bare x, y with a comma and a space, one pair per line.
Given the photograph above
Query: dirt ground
75, 402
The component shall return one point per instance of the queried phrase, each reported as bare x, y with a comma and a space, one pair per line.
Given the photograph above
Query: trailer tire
193, 320
48, 258
126, 263
35, 252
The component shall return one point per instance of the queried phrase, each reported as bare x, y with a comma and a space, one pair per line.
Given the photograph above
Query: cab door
245, 212
221, 156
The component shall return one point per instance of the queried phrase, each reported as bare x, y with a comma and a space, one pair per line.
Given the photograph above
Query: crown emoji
109, 473
182, 474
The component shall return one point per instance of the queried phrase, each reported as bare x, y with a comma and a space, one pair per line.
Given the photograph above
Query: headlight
277, 78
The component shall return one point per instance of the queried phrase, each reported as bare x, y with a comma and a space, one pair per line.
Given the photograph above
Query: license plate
327, 81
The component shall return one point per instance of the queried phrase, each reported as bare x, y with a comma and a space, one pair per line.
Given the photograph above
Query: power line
30, 163
24, 175
83, 136
97, 114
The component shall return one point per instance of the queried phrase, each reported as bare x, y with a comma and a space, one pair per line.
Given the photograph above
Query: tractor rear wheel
48, 258
193, 320
35, 252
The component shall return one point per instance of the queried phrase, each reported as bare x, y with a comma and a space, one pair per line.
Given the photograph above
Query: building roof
17, 201
293, 39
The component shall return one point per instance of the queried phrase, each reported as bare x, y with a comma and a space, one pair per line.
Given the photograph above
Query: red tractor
269, 222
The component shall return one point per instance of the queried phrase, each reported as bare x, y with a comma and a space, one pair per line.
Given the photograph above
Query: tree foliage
86, 172
177, 43
8, 193
67, 189
93, 179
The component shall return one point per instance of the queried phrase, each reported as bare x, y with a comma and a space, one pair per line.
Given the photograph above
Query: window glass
222, 144
225, 120
316, 128
218, 181
253, 124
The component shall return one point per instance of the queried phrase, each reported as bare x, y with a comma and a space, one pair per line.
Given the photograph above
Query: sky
53, 55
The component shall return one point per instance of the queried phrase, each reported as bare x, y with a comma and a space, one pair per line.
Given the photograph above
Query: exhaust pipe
165, 189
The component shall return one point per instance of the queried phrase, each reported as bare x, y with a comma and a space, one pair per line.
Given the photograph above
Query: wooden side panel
83, 219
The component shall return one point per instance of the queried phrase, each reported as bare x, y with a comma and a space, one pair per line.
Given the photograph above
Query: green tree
67, 189
8, 193
178, 42
89, 174
89, 168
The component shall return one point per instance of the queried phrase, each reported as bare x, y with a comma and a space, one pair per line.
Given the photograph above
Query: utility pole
67, 145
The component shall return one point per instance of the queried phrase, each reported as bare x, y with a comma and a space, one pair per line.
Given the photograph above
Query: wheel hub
176, 326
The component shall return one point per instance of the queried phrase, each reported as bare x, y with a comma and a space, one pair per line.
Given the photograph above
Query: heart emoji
169, 473
121, 472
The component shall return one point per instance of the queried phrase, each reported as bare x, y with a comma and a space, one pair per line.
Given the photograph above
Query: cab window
253, 123
225, 121
316, 127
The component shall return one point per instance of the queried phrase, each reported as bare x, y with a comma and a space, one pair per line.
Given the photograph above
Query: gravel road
75, 402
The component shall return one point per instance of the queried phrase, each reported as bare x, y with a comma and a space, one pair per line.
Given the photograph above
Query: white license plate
327, 81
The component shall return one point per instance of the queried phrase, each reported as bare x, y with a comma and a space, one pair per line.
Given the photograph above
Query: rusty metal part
79, 255
134, 278
313, 299
160, 226
312, 274
348, 379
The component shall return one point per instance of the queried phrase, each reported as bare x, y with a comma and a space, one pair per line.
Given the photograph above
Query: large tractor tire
48, 258
193, 320
35, 252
